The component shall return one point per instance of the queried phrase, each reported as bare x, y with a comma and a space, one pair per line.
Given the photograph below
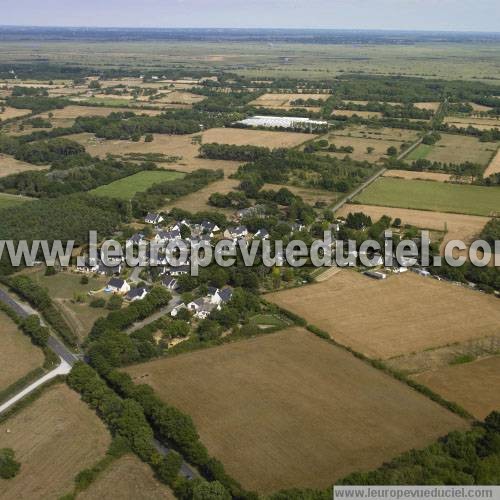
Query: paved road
25, 310
63, 369
68, 359
157, 315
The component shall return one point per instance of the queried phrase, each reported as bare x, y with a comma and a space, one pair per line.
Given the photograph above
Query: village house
118, 286
170, 282
136, 294
261, 234
153, 218
235, 233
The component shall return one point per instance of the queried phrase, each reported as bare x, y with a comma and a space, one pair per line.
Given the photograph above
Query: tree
204, 490
370, 150
8, 465
148, 138
169, 467
177, 329
115, 303
392, 151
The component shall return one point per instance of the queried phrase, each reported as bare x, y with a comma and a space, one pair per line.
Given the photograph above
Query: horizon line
241, 28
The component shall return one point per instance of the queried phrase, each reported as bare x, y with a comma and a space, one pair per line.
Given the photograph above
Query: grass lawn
268, 320
434, 196
9, 200
419, 153
126, 188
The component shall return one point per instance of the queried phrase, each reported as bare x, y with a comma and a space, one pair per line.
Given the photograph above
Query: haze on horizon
433, 15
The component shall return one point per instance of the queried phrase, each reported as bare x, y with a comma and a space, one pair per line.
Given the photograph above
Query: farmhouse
235, 233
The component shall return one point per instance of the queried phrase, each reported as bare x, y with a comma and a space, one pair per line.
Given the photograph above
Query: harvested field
435, 196
411, 174
198, 201
474, 386
478, 108
459, 149
9, 165
13, 113
181, 146
43, 437
494, 166
479, 123
177, 97
127, 478
297, 408
431, 106
401, 315
309, 195
126, 188
284, 101
265, 138
66, 117
361, 114
18, 356
457, 227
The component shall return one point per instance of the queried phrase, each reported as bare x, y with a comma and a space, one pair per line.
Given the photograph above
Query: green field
9, 200
435, 196
419, 153
126, 188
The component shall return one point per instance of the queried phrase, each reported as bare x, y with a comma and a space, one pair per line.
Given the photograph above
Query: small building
377, 275
261, 234
235, 233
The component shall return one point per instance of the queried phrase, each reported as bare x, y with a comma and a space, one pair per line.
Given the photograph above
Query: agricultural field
65, 288
398, 316
435, 196
126, 188
9, 113
456, 226
431, 106
361, 114
284, 101
128, 477
178, 97
54, 438
66, 117
456, 149
183, 147
413, 175
378, 147
18, 356
380, 133
264, 138
297, 423
479, 123
11, 200
198, 201
473, 385
9, 165
494, 166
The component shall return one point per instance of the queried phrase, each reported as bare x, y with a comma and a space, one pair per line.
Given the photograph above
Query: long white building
281, 121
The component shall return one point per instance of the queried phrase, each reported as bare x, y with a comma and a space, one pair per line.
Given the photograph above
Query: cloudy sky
470, 15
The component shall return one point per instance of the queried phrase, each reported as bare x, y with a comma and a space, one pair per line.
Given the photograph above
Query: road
157, 315
24, 310
68, 359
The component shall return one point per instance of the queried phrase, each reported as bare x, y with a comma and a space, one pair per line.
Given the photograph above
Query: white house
261, 234
153, 218
118, 286
235, 233
176, 309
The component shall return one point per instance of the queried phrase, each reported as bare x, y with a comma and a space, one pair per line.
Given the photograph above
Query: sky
454, 15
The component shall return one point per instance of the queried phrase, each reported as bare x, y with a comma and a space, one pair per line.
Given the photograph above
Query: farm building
283, 122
